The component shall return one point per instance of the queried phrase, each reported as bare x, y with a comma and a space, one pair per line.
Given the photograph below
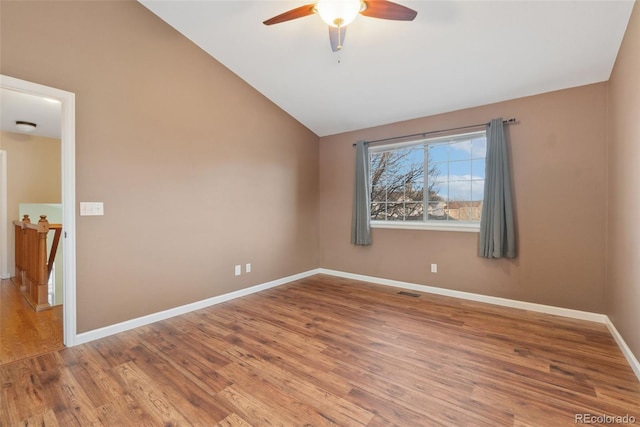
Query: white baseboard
95, 334
628, 354
540, 308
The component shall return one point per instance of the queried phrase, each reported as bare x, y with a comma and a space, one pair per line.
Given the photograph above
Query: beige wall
33, 176
559, 172
623, 218
197, 171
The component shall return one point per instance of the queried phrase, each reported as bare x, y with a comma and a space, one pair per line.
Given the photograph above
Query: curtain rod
511, 121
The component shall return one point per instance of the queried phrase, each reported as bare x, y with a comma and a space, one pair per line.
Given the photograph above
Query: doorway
67, 145
4, 269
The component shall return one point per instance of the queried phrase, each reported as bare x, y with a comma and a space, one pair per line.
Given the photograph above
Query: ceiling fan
340, 13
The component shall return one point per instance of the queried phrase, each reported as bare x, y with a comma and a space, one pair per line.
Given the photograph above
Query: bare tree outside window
451, 189
398, 184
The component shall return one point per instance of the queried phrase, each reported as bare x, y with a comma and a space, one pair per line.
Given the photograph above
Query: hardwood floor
23, 331
329, 351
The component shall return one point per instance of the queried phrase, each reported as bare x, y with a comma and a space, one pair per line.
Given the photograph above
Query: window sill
464, 227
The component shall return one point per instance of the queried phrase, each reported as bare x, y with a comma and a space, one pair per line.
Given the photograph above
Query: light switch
91, 208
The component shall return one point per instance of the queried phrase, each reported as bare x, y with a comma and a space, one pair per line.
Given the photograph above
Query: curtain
497, 229
361, 219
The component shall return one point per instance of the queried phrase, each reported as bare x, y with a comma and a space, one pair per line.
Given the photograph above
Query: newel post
25, 243
21, 251
42, 273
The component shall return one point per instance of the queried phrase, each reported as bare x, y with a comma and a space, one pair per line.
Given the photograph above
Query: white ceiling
454, 55
45, 113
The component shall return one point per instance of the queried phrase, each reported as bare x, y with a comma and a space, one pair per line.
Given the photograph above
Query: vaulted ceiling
454, 55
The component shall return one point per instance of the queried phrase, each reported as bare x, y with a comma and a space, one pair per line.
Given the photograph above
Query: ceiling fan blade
336, 37
298, 12
383, 9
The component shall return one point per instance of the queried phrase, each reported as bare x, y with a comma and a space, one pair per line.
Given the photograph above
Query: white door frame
68, 154
4, 230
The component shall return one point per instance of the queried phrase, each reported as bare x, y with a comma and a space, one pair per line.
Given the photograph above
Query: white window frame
436, 225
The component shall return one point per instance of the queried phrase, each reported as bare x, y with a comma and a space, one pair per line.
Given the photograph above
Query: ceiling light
25, 126
338, 13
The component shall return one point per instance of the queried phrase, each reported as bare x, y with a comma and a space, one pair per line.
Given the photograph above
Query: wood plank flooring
23, 331
327, 351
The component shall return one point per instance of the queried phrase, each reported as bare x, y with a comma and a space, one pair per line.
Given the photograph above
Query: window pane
479, 148
413, 212
477, 189
460, 170
438, 153
477, 168
378, 195
460, 150
375, 160
458, 210
395, 212
459, 190
438, 192
406, 162
414, 192
438, 172
437, 210
378, 211
379, 191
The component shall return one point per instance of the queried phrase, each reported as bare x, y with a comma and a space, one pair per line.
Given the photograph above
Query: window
433, 183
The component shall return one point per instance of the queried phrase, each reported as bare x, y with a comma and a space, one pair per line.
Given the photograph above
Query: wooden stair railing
21, 247
33, 268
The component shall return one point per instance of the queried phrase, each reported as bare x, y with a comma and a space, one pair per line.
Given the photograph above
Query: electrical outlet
434, 268
247, 267
238, 270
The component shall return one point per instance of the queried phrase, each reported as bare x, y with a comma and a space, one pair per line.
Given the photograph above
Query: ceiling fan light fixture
338, 13
25, 126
